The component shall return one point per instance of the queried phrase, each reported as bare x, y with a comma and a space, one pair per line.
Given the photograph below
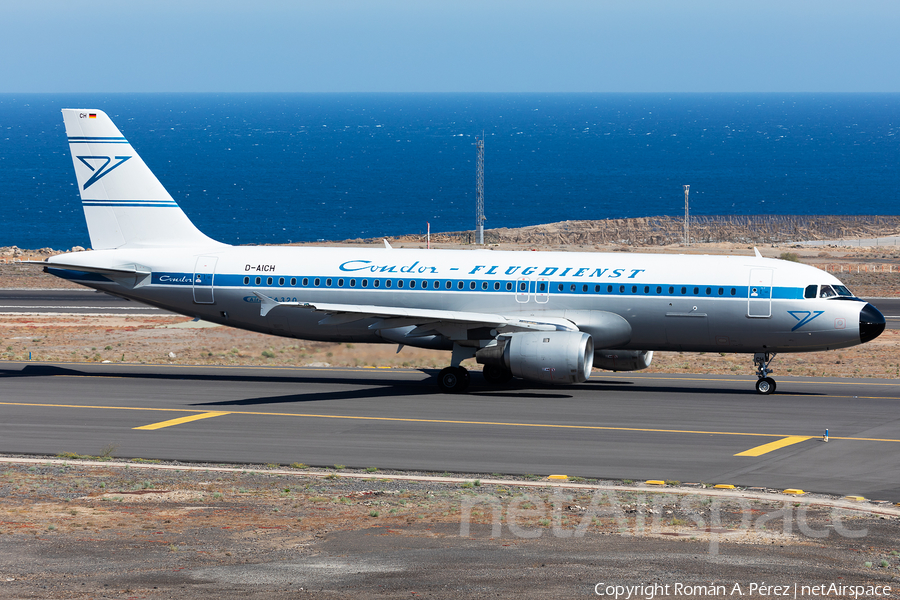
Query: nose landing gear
765, 384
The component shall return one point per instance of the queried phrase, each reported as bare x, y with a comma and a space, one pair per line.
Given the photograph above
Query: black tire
495, 375
453, 380
765, 386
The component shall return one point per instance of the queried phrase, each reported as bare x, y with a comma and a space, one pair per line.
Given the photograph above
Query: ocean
278, 168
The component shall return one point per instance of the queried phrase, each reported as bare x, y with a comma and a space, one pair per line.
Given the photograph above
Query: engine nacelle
549, 356
622, 360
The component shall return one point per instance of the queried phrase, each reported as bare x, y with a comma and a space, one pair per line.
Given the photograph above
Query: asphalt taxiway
690, 428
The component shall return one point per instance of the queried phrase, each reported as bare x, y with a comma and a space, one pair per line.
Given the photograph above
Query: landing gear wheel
495, 375
765, 385
453, 380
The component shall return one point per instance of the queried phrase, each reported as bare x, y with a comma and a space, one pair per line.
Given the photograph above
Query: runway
690, 428
71, 302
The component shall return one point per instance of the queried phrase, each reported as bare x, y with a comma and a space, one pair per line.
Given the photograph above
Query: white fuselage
671, 302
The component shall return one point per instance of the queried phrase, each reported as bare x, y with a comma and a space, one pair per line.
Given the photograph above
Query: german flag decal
92, 116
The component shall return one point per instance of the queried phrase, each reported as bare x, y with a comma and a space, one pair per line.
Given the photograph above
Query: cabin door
204, 273
759, 293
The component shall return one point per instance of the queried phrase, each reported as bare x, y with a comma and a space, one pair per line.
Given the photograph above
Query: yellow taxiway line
181, 420
201, 414
766, 448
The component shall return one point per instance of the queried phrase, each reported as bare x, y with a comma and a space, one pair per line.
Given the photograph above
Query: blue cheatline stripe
95, 142
284, 282
94, 139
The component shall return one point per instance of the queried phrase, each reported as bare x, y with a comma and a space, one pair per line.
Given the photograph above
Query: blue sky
453, 46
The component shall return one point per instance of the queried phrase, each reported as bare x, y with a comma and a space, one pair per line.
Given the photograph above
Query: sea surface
276, 168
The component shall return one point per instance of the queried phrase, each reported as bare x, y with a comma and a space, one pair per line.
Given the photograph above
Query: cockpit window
842, 291
812, 291
827, 291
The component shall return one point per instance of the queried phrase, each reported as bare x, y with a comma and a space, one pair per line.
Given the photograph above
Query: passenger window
317, 282
608, 289
733, 291
471, 285
596, 289
246, 280
365, 283
671, 289
509, 286
646, 289
572, 287
449, 285
543, 286
352, 283
523, 286
459, 285
496, 285
659, 289
634, 289
721, 291
559, 288
484, 285
584, 288
305, 282
811, 291
621, 289
328, 282
268, 281
696, 291
376, 282
388, 283
340, 282
258, 281
281, 281
708, 291
293, 281
684, 290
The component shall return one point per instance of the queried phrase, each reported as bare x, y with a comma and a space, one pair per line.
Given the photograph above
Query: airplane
546, 317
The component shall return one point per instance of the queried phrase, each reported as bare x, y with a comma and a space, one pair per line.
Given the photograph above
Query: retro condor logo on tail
99, 168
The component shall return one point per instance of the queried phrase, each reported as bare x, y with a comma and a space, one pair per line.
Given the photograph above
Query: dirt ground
71, 530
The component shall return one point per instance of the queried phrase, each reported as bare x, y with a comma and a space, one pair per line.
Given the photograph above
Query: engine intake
558, 357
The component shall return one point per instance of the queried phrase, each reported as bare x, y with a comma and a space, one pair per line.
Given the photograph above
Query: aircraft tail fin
124, 203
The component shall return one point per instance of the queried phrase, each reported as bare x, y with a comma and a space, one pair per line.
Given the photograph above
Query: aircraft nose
871, 323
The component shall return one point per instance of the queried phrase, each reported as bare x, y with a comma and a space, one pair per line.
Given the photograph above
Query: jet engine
622, 360
550, 356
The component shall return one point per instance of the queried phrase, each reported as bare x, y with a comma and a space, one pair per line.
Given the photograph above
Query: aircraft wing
451, 323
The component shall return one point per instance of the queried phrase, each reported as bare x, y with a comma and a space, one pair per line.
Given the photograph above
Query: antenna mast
479, 190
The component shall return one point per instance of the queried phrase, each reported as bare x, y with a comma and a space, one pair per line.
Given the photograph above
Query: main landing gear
453, 380
765, 384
